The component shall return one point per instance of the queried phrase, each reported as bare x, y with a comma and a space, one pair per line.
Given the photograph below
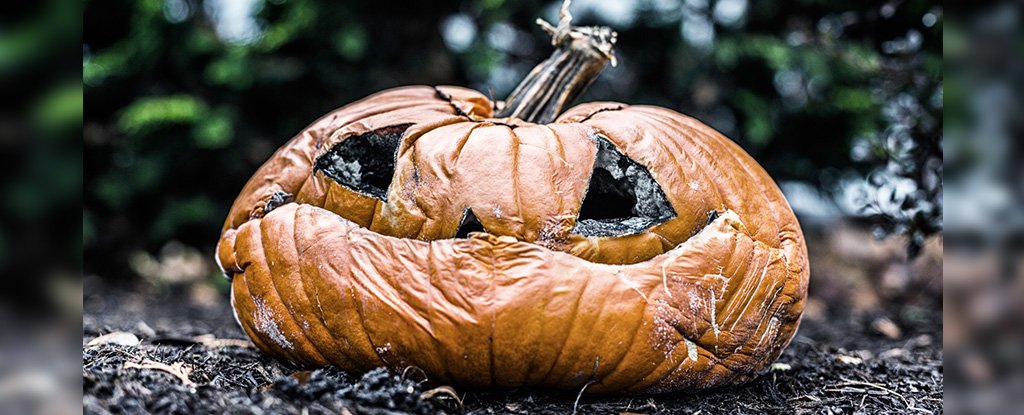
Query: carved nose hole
469, 224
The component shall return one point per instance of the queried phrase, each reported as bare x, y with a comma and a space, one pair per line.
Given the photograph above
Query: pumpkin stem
580, 55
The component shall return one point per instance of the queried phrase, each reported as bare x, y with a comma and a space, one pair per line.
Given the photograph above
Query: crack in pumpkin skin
376, 303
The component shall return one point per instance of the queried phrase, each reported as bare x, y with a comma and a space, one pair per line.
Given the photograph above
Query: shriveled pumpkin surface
341, 276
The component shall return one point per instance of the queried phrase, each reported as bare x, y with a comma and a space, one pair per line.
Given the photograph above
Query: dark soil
836, 364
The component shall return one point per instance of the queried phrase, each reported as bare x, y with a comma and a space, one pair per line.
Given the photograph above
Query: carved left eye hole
364, 163
622, 197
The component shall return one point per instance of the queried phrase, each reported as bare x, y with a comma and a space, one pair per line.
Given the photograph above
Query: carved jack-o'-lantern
496, 245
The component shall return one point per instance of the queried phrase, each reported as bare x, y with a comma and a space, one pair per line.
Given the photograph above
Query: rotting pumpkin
497, 245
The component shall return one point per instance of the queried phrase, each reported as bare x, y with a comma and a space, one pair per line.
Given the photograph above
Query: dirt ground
879, 352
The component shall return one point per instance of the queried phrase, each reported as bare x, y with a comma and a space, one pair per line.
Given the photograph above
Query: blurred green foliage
187, 97
41, 116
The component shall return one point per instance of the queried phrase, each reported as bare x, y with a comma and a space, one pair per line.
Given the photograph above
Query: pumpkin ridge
521, 230
251, 301
565, 340
744, 291
363, 329
275, 295
299, 219
332, 350
632, 341
432, 286
298, 297
354, 281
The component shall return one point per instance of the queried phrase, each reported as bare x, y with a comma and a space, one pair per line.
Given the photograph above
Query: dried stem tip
579, 56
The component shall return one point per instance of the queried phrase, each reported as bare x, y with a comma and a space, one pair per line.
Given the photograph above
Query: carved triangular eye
364, 163
622, 197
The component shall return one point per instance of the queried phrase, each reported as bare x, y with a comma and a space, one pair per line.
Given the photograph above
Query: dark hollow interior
364, 163
622, 197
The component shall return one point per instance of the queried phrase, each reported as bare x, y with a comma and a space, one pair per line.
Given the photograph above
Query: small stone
887, 328
893, 354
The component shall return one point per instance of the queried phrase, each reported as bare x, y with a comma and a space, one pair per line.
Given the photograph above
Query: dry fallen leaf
212, 342
121, 338
896, 353
850, 360
176, 369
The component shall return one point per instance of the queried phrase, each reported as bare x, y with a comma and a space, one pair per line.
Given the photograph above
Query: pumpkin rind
343, 278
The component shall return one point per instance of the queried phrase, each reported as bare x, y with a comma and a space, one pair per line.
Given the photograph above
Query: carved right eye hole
364, 163
622, 197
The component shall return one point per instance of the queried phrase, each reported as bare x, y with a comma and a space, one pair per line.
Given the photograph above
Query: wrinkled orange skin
341, 278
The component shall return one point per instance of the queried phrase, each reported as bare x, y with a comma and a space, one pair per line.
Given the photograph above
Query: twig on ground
876, 386
442, 390
578, 396
405, 373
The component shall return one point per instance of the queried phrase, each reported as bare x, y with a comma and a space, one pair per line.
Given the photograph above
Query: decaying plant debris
819, 372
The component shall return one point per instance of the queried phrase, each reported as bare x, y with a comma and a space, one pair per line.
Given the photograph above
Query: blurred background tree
841, 102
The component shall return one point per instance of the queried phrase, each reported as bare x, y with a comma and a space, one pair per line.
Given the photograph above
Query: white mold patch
691, 350
771, 331
714, 319
665, 336
265, 323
